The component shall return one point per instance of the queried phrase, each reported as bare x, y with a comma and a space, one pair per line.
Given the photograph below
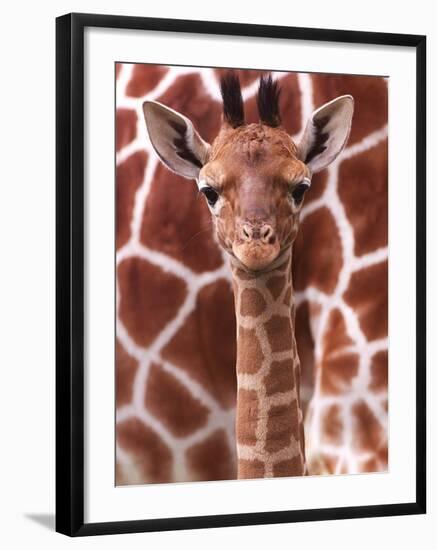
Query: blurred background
175, 349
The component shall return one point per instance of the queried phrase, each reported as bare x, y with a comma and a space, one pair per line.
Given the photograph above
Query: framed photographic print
240, 274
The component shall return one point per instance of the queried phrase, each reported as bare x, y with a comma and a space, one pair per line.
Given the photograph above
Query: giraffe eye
298, 192
210, 194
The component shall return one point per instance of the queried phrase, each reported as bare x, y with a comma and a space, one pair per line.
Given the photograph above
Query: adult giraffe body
254, 178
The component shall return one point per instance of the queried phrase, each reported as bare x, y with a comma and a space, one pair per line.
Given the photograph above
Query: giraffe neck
268, 419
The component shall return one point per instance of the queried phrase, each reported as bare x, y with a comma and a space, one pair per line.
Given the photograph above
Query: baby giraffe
254, 178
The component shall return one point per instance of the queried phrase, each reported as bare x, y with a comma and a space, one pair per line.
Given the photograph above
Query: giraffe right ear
175, 140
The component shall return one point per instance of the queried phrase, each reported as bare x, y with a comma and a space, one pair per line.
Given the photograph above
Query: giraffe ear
326, 133
175, 139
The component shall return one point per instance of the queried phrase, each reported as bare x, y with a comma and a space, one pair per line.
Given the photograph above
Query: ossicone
233, 108
269, 92
267, 99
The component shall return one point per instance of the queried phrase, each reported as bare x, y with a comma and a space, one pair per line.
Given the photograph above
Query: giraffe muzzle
264, 233
256, 245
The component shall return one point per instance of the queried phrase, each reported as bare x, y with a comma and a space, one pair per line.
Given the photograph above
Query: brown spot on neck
280, 425
276, 285
252, 303
279, 333
280, 378
249, 352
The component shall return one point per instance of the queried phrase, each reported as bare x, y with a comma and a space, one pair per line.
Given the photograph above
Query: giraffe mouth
256, 256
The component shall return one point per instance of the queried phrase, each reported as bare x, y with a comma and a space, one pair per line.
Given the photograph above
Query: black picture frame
70, 273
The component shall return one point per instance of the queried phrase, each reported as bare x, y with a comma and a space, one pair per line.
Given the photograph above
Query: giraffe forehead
252, 144
250, 153
241, 173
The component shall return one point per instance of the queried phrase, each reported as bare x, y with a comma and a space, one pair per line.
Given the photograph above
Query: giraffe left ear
326, 133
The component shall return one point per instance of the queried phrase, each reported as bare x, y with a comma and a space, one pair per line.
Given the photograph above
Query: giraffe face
253, 176
254, 185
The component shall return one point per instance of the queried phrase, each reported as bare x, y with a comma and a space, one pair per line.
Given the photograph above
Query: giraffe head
253, 176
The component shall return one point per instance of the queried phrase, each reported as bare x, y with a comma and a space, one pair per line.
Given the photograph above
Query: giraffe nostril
267, 234
247, 232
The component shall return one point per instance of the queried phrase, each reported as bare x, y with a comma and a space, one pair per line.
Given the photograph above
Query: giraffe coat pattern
175, 313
